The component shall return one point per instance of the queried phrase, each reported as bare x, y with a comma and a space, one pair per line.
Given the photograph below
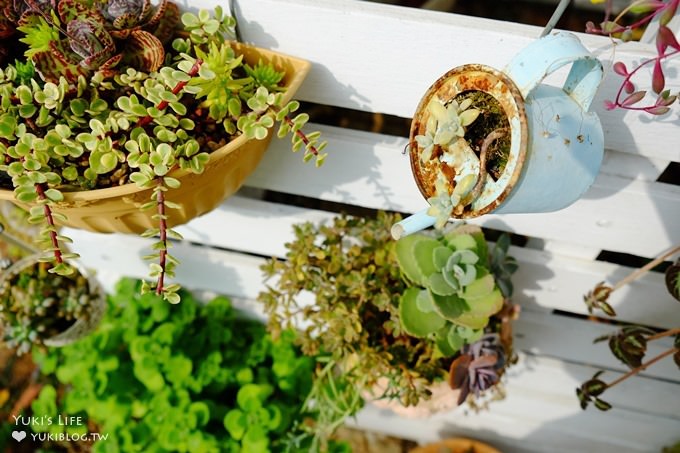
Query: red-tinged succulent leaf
634, 98
666, 16
90, 41
658, 79
657, 110
70, 10
645, 6
20, 7
143, 51
620, 68
158, 15
126, 22
54, 63
628, 86
609, 105
165, 29
665, 38
458, 371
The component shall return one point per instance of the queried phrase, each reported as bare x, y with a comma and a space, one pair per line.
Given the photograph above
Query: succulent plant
454, 292
629, 343
478, 367
36, 304
105, 113
390, 316
75, 37
447, 123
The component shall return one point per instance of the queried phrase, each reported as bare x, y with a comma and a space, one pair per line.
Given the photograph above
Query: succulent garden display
629, 343
394, 317
39, 307
102, 94
194, 377
456, 145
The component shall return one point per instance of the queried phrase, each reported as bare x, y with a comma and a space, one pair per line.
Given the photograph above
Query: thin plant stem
667, 333
644, 269
56, 247
303, 137
643, 367
163, 228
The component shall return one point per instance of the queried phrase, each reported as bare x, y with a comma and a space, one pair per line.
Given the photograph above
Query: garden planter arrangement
488, 141
133, 117
116, 209
395, 320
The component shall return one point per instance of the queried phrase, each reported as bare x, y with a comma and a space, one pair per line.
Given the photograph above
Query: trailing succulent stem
107, 94
629, 344
628, 96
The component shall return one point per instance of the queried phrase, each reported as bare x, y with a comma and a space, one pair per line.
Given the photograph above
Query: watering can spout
412, 224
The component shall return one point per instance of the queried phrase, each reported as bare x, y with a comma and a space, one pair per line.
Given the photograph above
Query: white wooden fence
380, 58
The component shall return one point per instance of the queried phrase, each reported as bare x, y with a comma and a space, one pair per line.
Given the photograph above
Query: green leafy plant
109, 93
629, 343
346, 287
189, 378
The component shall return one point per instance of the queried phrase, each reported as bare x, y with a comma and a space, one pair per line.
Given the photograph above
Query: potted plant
193, 377
629, 343
345, 286
484, 140
44, 308
127, 117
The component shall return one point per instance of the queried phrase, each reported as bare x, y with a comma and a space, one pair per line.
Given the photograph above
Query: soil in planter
492, 117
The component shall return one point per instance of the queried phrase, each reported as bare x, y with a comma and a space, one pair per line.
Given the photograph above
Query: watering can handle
546, 55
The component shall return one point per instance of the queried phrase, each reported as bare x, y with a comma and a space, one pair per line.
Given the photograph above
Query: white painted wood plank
539, 415
366, 169
617, 431
382, 58
571, 339
544, 279
558, 282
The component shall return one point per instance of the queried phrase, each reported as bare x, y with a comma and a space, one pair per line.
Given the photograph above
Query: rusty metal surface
472, 77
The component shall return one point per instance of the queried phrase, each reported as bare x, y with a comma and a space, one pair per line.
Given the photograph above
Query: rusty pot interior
493, 94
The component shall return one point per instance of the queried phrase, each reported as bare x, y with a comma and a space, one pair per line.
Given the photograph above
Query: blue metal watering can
555, 144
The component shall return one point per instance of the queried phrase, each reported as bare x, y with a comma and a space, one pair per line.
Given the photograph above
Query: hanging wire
555, 17
232, 12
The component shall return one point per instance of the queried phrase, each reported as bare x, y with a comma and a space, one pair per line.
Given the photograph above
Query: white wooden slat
382, 58
544, 279
559, 282
512, 431
539, 414
570, 339
637, 217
